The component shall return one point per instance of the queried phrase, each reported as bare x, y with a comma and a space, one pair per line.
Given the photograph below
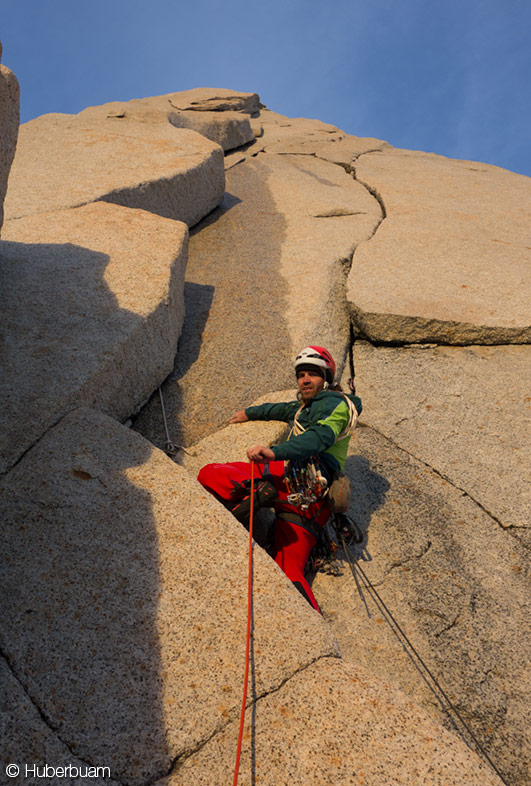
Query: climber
294, 476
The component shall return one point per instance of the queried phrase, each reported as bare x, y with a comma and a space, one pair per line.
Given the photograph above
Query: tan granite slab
92, 308
228, 128
29, 743
67, 160
231, 443
216, 99
451, 262
463, 411
332, 725
338, 148
124, 595
266, 277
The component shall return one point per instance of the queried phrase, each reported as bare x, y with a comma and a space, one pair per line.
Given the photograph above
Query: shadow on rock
75, 332
229, 201
235, 340
81, 588
368, 490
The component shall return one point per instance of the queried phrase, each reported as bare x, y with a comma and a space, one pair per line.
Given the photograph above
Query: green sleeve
337, 420
284, 411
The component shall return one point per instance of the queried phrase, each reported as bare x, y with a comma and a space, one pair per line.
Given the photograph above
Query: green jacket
323, 417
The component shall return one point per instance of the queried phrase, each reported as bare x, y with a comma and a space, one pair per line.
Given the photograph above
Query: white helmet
318, 357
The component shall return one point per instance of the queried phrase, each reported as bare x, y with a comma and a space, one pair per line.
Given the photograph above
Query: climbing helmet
318, 357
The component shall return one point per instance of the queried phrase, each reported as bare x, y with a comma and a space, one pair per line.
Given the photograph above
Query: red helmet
319, 358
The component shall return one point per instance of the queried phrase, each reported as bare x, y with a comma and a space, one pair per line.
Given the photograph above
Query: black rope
412, 654
351, 382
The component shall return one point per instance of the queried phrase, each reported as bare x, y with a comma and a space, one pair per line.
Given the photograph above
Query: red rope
248, 641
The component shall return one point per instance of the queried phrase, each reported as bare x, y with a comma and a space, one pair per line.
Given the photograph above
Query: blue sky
444, 76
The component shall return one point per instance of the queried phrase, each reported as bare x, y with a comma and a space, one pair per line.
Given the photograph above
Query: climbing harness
306, 522
248, 638
455, 718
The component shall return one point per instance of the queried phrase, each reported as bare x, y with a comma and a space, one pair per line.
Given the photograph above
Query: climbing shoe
264, 496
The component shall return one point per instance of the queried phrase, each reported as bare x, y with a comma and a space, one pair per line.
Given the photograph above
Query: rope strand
248, 640
419, 663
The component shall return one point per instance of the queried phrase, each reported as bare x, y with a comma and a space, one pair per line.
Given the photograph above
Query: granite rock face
312, 138
463, 411
123, 593
216, 99
92, 308
229, 127
175, 173
9, 117
266, 275
124, 583
457, 583
231, 442
27, 739
451, 262
326, 727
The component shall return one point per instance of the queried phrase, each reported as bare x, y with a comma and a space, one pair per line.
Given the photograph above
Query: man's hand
239, 416
260, 453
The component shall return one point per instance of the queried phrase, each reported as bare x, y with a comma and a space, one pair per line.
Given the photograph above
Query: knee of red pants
222, 479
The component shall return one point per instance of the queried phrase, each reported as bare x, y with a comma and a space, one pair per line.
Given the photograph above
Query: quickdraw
305, 481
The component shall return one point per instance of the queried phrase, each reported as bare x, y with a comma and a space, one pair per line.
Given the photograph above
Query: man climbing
294, 476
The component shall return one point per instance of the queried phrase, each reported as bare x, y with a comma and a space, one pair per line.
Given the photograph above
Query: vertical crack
373, 192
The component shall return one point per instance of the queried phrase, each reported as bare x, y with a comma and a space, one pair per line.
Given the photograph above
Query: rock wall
448, 264
202, 242
9, 119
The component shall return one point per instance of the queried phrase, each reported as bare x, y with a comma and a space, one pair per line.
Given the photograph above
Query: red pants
292, 544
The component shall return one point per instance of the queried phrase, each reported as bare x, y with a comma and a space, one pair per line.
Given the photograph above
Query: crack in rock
373, 192
47, 721
178, 761
39, 438
450, 625
338, 212
438, 615
447, 480
486, 674
430, 342
398, 563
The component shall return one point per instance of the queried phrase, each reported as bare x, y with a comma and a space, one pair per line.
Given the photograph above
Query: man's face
310, 384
